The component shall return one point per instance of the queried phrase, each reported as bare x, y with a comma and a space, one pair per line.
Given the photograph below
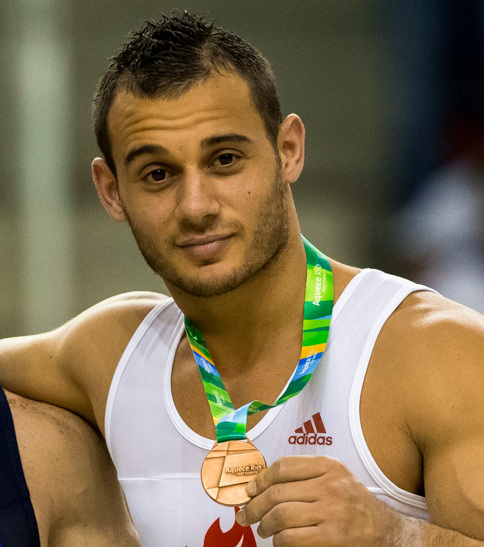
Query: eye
226, 159
156, 176
226, 162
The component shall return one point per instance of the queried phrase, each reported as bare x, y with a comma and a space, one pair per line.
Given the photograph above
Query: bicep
445, 411
453, 426
454, 483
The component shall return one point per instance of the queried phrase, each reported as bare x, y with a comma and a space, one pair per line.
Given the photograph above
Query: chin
209, 283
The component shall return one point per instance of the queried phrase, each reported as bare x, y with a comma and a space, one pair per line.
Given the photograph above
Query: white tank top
158, 458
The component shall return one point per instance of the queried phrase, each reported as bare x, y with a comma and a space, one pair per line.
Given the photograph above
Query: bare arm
423, 534
317, 501
31, 366
72, 482
72, 366
447, 421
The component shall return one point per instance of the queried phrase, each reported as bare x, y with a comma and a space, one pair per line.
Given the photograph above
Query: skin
194, 197
82, 505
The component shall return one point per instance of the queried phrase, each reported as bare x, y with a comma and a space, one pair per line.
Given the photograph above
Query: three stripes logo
311, 432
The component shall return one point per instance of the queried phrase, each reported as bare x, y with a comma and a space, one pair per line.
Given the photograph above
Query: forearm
423, 534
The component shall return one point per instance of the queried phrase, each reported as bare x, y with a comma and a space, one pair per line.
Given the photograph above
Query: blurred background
392, 95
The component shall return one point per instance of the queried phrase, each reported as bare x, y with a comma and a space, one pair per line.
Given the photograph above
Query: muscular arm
72, 366
316, 502
447, 419
439, 381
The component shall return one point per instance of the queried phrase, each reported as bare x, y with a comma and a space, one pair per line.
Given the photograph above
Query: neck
248, 323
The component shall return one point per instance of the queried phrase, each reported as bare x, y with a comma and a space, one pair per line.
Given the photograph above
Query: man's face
200, 184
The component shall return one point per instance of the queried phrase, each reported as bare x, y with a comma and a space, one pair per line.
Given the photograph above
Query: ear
107, 189
290, 143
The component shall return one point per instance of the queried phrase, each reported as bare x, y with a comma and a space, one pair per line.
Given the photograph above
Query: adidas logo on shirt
311, 432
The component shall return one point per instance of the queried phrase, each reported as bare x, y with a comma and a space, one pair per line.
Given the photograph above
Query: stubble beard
269, 240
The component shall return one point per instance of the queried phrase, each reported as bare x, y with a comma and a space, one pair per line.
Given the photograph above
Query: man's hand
315, 501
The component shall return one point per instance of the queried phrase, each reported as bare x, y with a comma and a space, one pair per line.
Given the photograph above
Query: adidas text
311, 439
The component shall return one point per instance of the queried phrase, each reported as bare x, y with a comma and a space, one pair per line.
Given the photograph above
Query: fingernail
241, 518
250, 488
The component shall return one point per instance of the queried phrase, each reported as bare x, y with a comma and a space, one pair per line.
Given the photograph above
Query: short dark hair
167, 57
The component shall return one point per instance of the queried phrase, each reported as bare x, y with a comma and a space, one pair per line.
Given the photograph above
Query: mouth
205, 247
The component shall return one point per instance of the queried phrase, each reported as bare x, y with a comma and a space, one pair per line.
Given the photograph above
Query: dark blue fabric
18, 526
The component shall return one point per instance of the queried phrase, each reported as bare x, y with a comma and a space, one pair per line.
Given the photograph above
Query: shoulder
72, 366
110, 321
137, 303
108, 324
434, 330
435, 348
117, 314
436, 325
89, 347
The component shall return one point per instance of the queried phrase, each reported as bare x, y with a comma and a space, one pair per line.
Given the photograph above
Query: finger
297, 537
289, 469
275, 495
284, 516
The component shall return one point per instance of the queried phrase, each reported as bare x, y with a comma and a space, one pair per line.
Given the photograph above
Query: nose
197, 201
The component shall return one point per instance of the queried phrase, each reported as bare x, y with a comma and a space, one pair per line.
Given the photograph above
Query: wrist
400, 530
419, 533
408, 531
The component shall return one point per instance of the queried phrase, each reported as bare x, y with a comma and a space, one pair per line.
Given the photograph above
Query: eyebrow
206, 143
219, 139
142, 150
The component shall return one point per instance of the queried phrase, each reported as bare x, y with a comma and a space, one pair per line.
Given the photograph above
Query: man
58, 486
199, 161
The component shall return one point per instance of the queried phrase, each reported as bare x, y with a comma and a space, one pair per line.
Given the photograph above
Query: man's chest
161, 429
190, 395
380, 414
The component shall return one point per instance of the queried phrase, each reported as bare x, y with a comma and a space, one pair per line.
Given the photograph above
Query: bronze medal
228, 467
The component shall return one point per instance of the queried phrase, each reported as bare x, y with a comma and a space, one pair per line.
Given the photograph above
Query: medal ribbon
231, 424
